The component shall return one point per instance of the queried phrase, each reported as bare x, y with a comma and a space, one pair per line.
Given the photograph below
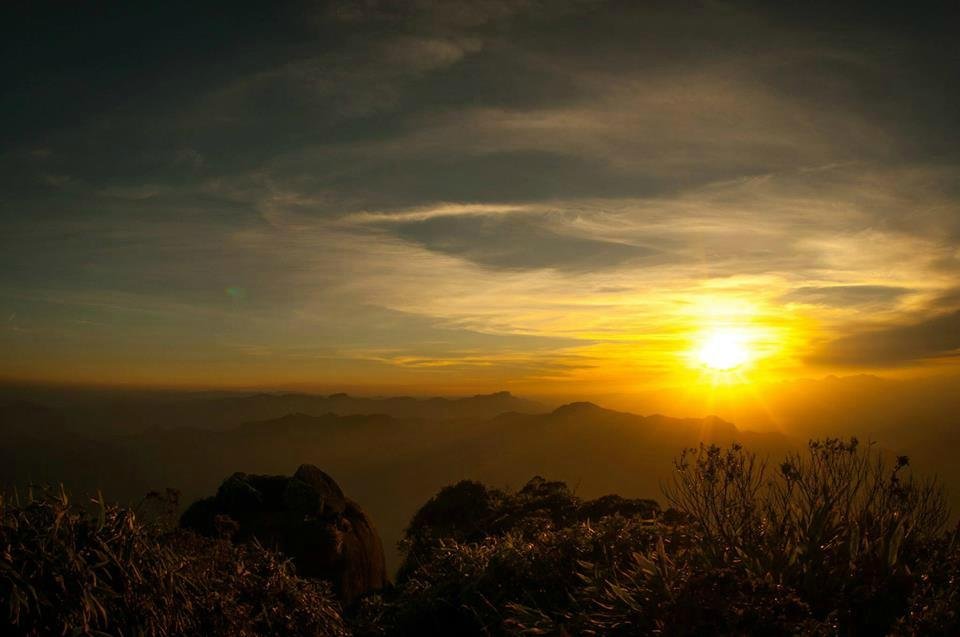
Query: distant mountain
140, 413
36, 447
894, 410
395, 453
392, 463
30, 419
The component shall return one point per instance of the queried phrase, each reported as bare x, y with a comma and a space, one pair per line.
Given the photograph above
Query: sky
450, 196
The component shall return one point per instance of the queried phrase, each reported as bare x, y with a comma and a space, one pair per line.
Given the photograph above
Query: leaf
854, 541
101, 511
893, 549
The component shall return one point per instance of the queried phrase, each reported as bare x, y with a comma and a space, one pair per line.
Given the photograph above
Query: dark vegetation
101, 570
837, 540
389, 464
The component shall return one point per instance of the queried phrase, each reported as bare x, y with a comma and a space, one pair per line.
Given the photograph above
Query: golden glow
731, 342
723, 350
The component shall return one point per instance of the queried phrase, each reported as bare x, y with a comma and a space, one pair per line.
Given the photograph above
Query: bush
934, 607
473, 552
839, 540
101, 570
487, 587
839, 524
469, 512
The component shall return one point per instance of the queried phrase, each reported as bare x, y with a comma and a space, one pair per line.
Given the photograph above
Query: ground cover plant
837, 540
68, 569
840, 539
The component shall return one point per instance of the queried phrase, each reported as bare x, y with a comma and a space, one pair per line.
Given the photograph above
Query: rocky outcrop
305, 516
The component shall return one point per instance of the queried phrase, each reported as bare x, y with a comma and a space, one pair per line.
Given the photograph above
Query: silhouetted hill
233, 410
28, 418
140, 412
391, 463
915, 416
863, 405
37, 447
579, 409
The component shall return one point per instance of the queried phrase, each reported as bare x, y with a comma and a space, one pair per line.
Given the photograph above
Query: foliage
839, 540
934, 607
470, 512
840, 524
101, 570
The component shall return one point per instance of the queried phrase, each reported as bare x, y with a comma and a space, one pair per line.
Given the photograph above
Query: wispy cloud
935, 337
845, 295
541, 191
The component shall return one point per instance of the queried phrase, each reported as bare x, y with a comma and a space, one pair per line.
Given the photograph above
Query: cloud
366, 78
422, 55
439, 210
516, 242
845, 295
935, 337
435, 13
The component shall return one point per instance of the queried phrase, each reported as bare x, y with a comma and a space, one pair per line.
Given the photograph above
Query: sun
723, 350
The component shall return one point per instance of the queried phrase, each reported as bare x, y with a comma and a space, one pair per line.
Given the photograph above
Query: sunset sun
723, 350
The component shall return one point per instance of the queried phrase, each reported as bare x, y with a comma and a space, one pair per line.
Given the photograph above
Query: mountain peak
578, 408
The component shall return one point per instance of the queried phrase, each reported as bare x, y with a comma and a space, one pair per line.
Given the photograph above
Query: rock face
307, 517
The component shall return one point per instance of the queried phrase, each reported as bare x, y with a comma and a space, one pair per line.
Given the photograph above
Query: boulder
307, 517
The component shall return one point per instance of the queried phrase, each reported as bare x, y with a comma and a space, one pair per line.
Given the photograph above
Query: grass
837, 540
834, 541
100, 570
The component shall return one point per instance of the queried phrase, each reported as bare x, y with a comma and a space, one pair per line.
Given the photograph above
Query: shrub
100, 570
839, 524
839, 540
488, 587
469, 512
934, 607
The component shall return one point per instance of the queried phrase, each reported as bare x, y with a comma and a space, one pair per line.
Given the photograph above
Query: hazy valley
391, 454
